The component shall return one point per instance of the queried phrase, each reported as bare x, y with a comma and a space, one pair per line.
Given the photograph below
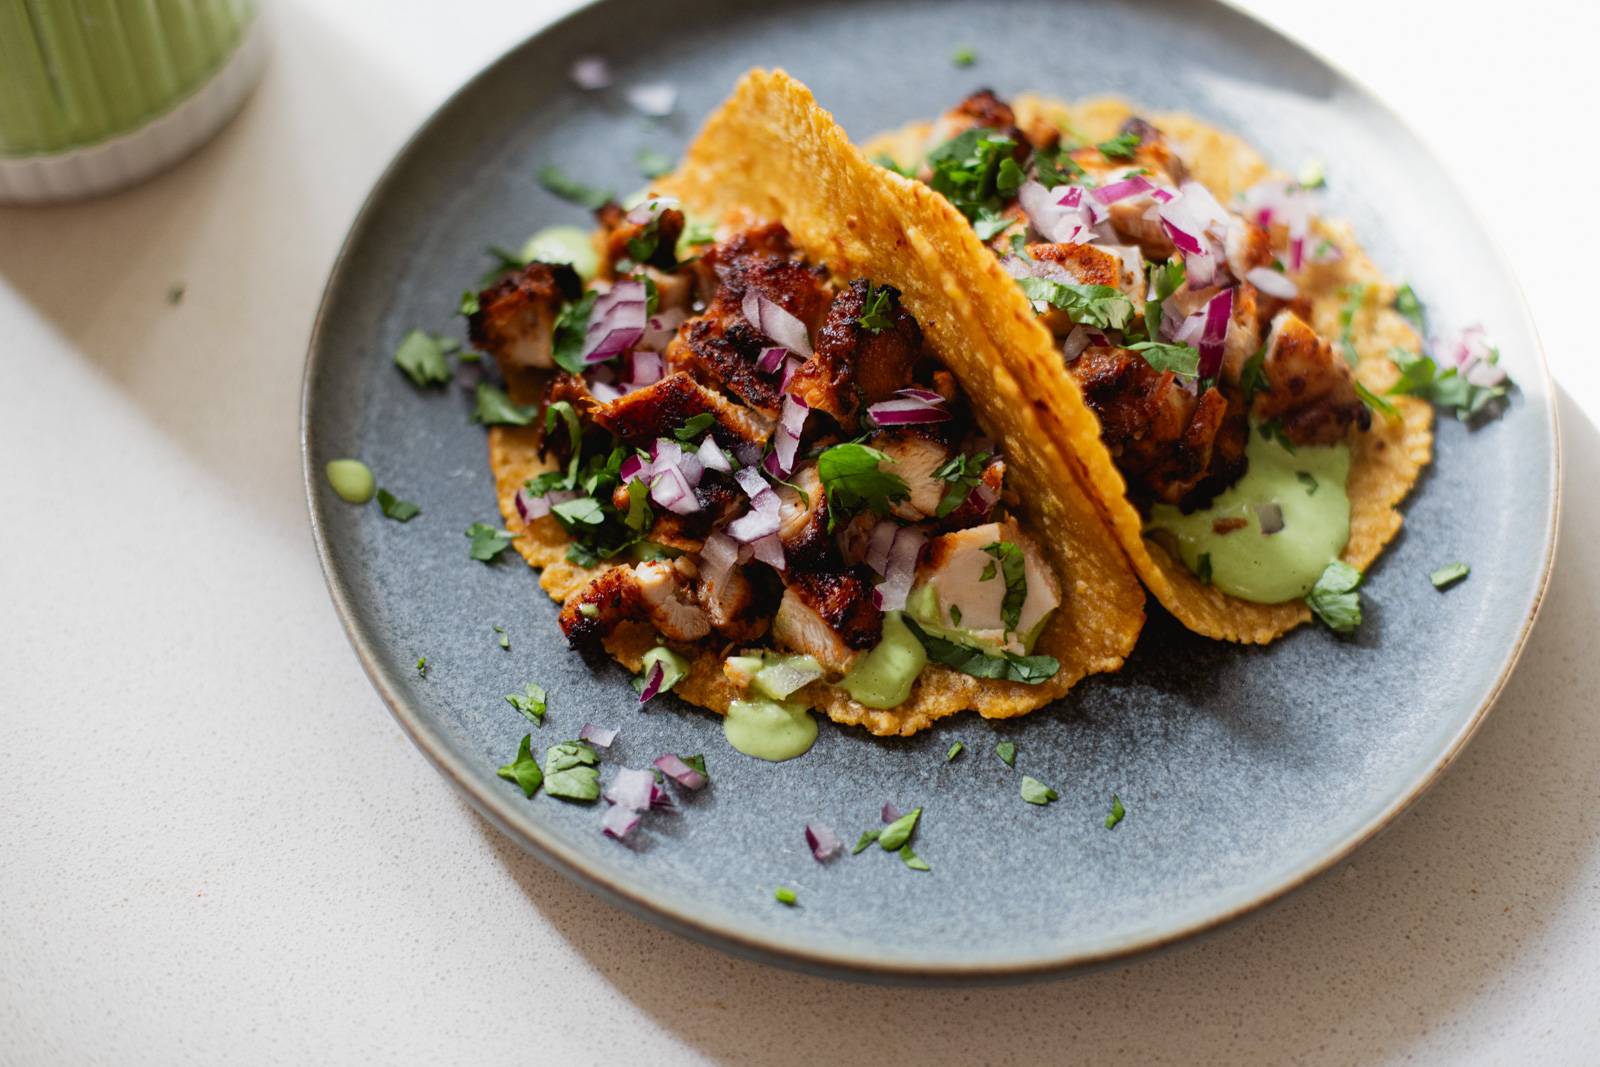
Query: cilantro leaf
1420, 376
569, 771
395, 508
955, 750
912, 860
1272, 430
577, 513
887, 162
566, 346
784, 895
487, 542
1012, 564
1029, 670
1253, 375
422, 356
652, 164
1099, 306
1334, 598
852, 479
1007, 751
878, 308
1203, 569
422, 666
504, 640
963, 473
1182, 360
495, 408
469, 303
569, 189
966, 170
867, 838
1355, 295
1308, 480
1374, 401
1055, 166
964, 56
1036, 792
524, 770
1407, 304
1121, 146
1449, 575
695, 426
1117, 812
897, 833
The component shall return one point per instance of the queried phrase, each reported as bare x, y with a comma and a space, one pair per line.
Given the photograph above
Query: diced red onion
776, 323
770, 359
1131, 186
1475, 359
712, 457
789, 368
619, 822
634, 467
631, 789
786, 439
748, 453
680, 772
1271, 516
1080, 338
879, 544
659, 797
1053, 216
590, 72
597, 735
1273, 283
1219, 317
604, 392
671, 489
652, 681
717, 556
983, 497
911, 406
762, 520
537, 507
656, 99
823, 842
890, 813
901, 571
769, 550
649, 208
659, 329
616, 322
646, 367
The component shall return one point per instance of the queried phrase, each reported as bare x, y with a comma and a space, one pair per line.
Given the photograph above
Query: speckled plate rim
498, 809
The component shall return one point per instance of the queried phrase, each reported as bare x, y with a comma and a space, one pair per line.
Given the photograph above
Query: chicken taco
765, 460
1215, 358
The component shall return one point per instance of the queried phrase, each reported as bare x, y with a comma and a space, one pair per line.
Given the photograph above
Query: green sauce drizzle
352, 480
883, 677
769, 729
1308, 487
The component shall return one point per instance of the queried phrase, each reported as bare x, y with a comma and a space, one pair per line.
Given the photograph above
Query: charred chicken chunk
1310, 390
659, 409
865, 351
829, 616
516, 316
658, 592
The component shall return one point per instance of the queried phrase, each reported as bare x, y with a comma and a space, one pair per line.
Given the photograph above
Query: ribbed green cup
80, 72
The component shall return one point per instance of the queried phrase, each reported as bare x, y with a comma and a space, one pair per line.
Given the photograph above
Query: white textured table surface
215, 846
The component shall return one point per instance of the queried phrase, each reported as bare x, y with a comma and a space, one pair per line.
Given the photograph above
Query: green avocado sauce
883, 677
769, 729
1307, 485
352, 480
564, 244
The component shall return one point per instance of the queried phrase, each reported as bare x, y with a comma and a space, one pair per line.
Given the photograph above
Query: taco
1218, 373
771, 463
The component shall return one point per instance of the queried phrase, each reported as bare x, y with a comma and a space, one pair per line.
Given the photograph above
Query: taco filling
762, 465
1228, 416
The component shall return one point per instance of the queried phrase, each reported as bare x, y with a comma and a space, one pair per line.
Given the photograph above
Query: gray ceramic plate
1244, 771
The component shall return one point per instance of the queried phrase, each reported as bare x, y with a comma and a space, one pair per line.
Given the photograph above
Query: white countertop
215, 845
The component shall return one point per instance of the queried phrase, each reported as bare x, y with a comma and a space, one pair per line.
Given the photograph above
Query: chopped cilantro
964, 56
1355, 295
1335, 598
395, 508
1015, 568
955, 614
1164, 280
1374, 401
695, 426
1099, 306
1272, 430
912, 860
1308, 480
652, 164
1036, 792
422, 356
642, 245
1253, 375
1182, 360
1420, 376
495, 408
1120, 147
955, 750
579, 512
963, 473
878, 308
853, 480
989, 572
867, 838
524, 770
1407, 304
1202, 570
1055, 166
505, 641
897, 833
639, 516
1448, 575
469, 303
567, 188
698, 232
1007, 751
487, 542
569, 771
1117, 812
531, 702
888, 162
967, 170
422, 666
567, 338
1029, 670
784, 895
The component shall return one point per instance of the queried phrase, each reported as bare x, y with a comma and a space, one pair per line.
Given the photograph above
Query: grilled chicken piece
657, 591
657, 410
595, 610
1246, 246
829, 616
853, 363
660, 252
1244, 335
913, 458
1120, 267
1310, 389
1159, 433
729, 601
803, 523
669, 602
955, 565
516, 316
721, 346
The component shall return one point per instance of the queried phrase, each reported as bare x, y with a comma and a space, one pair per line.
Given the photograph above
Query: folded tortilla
1385, 462
771, 153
